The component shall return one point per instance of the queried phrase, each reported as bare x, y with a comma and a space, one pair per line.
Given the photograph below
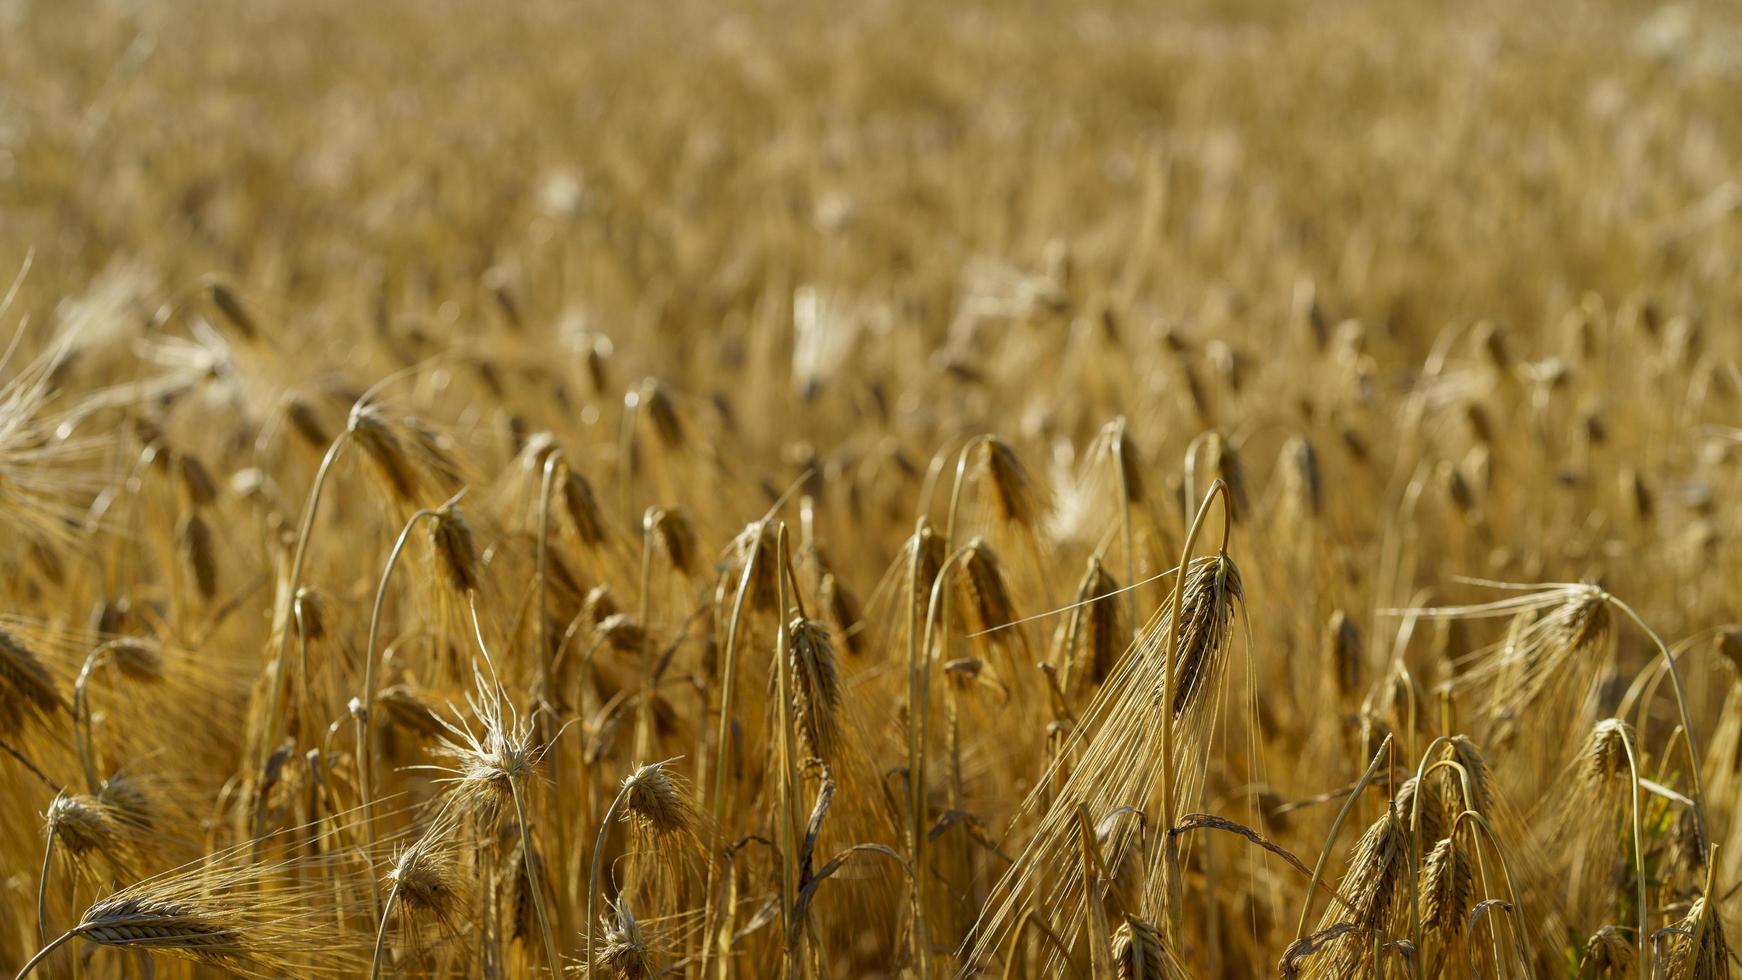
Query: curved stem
42, 888
1331, 839
366, 736
1681, 703
1643, 948
936, 614
791, 833
916, 676
956, 488
275, 693
83, 739
541, 635
729, 673
644, 704
42, 953
1505, 872
381, 933
1125, 524
535, 881
1170, 649
593, 869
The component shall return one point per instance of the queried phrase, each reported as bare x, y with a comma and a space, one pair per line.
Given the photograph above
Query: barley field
779, 489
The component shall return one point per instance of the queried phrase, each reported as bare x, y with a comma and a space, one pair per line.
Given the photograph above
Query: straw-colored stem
644, 704
535, 881
366, 735
1125, 527
956, 488
541, 628
593, 871
42, 888
1643, 948
1170, 649
1331, 838
381, 933
916, 752
791, 832
42, 953
1505, 872
728, 677
1681, 703
275, 693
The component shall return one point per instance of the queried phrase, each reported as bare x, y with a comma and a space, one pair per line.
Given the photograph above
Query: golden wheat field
780, 489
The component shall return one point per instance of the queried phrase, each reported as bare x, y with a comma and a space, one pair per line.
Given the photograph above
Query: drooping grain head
984, 592
662, 414
198, 488
194, 545
1105, 633
83, 828
1608, 953
582, 517
1299, 467
427, 884
816, 696
1448, 889
306, 424
385, 449
452, 546
673, 536
232, 310
1212, 590
1138, 953
626, 954
1604, 758
1015, 495
311, 614
844, 613
657, 803
1435, 807
27, 690
1343, 653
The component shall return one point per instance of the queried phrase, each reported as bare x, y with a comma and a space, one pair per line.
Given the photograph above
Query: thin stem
1125, 523
1681, 703
956, 487
366, 736
1505, 872
936, 613
42, 887
381, 933
790, 833
535, 881
644, 705
541, 635
717, 794
269, 733
42, 953
1170, 649
1331, 839
916, 749
593, 868
1643, 948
